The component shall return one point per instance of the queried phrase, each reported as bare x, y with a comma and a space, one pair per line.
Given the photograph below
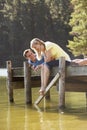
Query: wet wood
27, 83
62, 83
9, 81
50, 85
73, 78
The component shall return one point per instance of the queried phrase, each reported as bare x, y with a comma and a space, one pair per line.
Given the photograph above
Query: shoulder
48, 42
50, 45
30, 62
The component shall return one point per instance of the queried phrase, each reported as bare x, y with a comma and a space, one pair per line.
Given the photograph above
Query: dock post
27, 83
9, 81
86, 99
62, 83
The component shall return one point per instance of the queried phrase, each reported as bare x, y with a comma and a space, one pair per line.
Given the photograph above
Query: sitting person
31, 57
35, 64
51, 52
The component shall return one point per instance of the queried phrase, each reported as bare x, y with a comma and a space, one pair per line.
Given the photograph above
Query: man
31, 57
36, 64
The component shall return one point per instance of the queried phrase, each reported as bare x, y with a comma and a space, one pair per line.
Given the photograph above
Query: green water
45, 116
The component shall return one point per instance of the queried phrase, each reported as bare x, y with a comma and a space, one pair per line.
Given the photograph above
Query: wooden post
62, 82
50, 85
27, 83
9, 81
86, 99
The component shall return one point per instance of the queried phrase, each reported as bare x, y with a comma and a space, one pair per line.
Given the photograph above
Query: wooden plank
76, 71
18, 85
76, 87
18, 72
77, 79
70, 71
48, 88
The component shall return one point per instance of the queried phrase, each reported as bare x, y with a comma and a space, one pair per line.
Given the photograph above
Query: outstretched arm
48, 56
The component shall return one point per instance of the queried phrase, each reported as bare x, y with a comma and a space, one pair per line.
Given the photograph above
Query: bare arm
48, 56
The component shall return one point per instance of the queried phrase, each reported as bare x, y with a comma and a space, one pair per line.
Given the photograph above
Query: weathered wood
18, 85
76, 71
50, 85
62, 82
86, 99
75, 87
18, 72
74, 79
27, 83
9, 81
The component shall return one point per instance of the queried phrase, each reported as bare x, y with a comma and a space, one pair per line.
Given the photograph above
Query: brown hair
25, 52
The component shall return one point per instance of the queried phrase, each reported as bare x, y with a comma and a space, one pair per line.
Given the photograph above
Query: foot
41, 91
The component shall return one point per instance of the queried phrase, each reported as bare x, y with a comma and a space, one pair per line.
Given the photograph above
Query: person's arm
38, 67
48, 56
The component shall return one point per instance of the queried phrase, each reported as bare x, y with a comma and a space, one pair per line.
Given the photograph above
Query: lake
3, 72
45, 116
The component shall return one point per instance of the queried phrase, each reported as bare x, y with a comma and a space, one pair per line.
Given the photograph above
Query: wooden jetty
70, 78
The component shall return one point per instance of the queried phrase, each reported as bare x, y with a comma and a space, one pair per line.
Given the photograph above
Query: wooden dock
72, 78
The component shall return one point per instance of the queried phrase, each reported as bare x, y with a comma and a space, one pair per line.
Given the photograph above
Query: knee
45, 67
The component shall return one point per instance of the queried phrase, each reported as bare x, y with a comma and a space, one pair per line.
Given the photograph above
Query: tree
25, 19
78, 22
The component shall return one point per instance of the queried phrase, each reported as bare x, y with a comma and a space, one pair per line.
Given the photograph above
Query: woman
51, 52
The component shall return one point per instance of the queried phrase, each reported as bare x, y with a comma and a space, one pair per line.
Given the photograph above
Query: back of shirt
57, 51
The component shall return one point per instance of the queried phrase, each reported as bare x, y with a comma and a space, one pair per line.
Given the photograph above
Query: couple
46, 55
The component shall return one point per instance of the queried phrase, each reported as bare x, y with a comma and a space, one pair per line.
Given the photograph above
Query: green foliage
22, 20
78, 22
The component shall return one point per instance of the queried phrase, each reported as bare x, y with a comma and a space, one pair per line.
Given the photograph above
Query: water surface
3, 72
45, 116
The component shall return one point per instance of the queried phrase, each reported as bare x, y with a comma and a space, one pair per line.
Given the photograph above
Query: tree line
22, 20
78, 22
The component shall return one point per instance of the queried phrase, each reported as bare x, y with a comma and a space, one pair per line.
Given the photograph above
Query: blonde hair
36, 41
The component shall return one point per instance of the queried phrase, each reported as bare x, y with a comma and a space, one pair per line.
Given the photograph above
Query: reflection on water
19, 116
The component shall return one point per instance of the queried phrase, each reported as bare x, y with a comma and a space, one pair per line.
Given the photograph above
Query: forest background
22, 20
